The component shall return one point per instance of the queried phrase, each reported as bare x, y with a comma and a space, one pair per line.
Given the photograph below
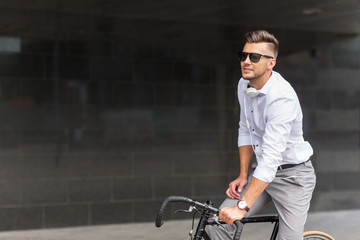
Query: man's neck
258, 83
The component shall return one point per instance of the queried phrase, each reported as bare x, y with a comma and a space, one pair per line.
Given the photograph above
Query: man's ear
272, 64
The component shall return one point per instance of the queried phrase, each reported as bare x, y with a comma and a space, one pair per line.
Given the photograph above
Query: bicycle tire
316, 235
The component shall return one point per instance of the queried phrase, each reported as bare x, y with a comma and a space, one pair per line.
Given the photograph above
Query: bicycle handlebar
159, 218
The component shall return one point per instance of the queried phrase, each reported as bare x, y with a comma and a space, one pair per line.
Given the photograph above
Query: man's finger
234, 193
224, 215
221, 215
228, 193
233, 188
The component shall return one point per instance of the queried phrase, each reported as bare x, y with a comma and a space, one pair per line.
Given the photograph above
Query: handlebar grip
238, 225
159, 216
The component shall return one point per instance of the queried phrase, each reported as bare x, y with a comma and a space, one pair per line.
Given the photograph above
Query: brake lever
216, 219
191, 208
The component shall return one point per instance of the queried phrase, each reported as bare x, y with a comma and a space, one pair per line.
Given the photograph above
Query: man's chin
247, 77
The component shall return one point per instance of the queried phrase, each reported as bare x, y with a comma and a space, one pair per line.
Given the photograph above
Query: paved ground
340, 224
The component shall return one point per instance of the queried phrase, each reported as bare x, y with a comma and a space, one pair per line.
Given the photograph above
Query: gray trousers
290, 191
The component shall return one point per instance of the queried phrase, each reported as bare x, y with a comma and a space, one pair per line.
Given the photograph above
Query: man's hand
235, 187
231, 214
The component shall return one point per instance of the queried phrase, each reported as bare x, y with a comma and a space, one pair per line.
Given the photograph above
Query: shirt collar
268, 83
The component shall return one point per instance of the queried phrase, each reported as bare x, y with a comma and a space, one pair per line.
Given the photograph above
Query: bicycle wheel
316, 235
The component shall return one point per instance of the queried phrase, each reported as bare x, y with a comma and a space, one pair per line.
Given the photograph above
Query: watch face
242, 204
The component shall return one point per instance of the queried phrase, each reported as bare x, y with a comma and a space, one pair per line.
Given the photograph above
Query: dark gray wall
100, 130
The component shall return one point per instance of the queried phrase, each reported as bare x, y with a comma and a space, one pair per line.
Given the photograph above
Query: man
271, 127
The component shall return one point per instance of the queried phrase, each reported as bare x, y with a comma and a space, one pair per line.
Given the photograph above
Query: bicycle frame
200, 230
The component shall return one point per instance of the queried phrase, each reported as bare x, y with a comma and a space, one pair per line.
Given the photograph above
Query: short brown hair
263, 36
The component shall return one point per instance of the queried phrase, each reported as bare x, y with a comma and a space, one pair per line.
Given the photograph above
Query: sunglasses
254, 57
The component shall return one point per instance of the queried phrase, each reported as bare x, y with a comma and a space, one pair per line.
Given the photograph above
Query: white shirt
275, 122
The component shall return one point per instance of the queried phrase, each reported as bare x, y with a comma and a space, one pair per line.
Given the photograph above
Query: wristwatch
243, 205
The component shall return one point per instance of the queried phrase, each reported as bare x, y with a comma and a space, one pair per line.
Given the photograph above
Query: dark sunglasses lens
254, 57
242, 56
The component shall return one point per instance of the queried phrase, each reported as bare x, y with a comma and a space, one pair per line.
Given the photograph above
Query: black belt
285, 166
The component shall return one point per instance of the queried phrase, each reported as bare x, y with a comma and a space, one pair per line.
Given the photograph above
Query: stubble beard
255, 76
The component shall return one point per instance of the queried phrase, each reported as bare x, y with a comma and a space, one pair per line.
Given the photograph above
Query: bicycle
208, 216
